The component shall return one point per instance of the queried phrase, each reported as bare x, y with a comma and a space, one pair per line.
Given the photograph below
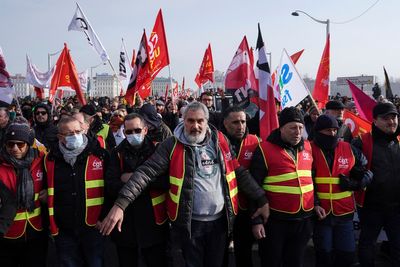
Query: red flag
157, 46
364, 103
66, 75
175, 93
183, 84
133, 58
206, 71
197, 80
240, 79
296, 56
39, 92
141, 73
356, 124
321, 88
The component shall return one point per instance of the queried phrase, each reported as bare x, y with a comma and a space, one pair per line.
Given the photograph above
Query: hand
114, 217
263, 211
221, 93
43, 196
258, 231
320, 211
125, 176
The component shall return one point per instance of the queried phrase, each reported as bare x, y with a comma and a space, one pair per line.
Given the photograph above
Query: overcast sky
39, 27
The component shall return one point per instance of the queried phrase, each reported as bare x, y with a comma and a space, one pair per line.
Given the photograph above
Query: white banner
292, 87
37, 78
80, 23
83, 79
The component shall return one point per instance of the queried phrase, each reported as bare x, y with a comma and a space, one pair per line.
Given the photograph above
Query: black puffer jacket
45, 133
159, 163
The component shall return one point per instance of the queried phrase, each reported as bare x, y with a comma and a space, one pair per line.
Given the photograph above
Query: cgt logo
97, 165
343, 163
39, 175
306, 155
228, 156
248, 155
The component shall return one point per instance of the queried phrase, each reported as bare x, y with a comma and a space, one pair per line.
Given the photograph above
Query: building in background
22, 88
104, 84
159, 84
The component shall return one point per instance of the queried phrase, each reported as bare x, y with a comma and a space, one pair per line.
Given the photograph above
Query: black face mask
326, 142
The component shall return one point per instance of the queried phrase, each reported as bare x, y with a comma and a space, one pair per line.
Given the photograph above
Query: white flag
80, 23
37, 78
83, 79
122, 62
292, 87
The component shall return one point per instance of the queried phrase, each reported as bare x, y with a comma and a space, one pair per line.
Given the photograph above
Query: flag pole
170, 84
126, 53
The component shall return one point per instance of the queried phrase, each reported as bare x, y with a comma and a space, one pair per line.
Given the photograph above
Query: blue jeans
83, 247
372, 222
334, 241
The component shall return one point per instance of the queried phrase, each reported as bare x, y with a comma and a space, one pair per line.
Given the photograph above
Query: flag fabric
66, 75
141, 74
268, 114
175, 93
363, 102
197, 80
292, 87
39, 92
157, 46
321, 88
37, 78
83, 79
133, 58
389, 93
79, 22
240, 79
206, 71
122, 63
7, 91
183, 84
356, 124
295, 57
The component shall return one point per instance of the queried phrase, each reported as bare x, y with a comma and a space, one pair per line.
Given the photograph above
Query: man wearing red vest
204, 178
21, 171
244, 145
144, 229
338, 169
381, 207
282, 164
75, 169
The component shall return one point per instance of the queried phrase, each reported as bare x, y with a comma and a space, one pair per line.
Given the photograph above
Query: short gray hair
194, 106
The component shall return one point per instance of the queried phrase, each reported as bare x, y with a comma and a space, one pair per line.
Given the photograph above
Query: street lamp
326, 22
49, 55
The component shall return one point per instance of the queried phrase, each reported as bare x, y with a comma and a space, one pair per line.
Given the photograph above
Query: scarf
25, 188
71, 155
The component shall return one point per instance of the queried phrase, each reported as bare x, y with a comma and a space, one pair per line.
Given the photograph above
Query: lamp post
326, 22
49, 55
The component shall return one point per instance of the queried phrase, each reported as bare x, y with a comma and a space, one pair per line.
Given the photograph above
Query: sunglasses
41, 113
137, 131
11, 144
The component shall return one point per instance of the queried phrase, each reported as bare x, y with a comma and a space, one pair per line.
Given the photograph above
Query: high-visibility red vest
9, 178
94, 190
331, 197
157, 199
289, 185
246, 151
177, 175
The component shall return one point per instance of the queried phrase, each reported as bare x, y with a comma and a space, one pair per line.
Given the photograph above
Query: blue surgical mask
74, 141
134, 139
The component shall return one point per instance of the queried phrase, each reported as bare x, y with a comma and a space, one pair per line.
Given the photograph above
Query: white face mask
74, 141
135, 139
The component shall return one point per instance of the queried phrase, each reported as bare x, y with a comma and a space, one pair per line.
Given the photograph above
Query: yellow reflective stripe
334, 196
287, 176
288, 189
230, 176
51, 211
327, 180
233, 192
158, 200
25, 215
175, 181
94, 201
36, 197
174, 197
94, 183
50, 191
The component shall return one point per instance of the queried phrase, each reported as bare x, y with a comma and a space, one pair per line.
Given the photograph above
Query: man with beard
45, 130
204, 178
338, 170
244, 145
381, 201
336, 109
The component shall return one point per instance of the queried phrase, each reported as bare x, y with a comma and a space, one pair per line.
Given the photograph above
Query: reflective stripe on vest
289, 186
177, 174
94, 191
331, 197
104, 132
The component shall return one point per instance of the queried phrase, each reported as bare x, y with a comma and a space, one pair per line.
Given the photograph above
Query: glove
344, 182
367, 179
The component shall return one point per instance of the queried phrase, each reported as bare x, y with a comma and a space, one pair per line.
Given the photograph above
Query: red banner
321, 88
206, 71
356, 124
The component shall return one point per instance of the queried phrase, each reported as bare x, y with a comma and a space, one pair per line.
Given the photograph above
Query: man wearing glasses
75, 169
143, 229
45, 130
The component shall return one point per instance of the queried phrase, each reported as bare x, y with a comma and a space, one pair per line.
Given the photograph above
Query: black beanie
19, 132
325, 122
290, 114
88, 109
149, 114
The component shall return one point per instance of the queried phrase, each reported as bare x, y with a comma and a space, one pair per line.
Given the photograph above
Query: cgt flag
157, 46
356, 124
66, 75
364, 103
321, 88
80, 23
206, 71
240, 79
